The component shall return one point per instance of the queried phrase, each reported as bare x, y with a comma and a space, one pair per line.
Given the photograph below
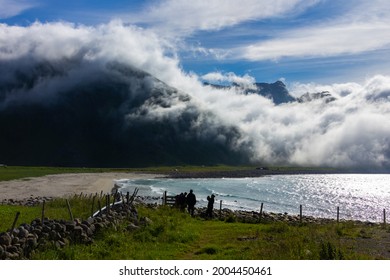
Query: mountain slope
111, 115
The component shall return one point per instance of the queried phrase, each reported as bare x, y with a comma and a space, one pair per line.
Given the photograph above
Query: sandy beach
64, 184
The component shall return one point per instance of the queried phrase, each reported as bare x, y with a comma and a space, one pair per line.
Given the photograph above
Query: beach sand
64, 184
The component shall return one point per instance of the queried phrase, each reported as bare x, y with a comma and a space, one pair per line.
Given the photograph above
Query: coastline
29, 191
33, 190
60, 185
251, 173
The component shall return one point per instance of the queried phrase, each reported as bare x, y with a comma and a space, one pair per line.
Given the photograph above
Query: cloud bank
218, 77
116, 95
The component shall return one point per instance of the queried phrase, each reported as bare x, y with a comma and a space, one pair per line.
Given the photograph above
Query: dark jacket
191, 199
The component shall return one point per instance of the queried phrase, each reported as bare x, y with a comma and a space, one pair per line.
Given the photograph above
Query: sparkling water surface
359, 196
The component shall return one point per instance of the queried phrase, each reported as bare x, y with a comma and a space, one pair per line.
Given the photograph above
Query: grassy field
24, 172
175, 235
20, 172
54, 209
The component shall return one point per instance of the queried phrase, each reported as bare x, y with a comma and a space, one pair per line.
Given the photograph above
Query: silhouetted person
210, 206
183, 201
191, 201
177, 201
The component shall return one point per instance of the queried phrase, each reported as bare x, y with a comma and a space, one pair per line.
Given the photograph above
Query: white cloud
322, 41
363, 27
10, 8
114, 41
351, 131
182, 17
337, 90
218, 77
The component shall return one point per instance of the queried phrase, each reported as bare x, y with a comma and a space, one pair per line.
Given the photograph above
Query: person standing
191, 201
210, 206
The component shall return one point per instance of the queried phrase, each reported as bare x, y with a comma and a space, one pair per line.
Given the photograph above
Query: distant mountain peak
276, 91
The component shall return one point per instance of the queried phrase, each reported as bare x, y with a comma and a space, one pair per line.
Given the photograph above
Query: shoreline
60, 185
252, 173
32, 191
226, 214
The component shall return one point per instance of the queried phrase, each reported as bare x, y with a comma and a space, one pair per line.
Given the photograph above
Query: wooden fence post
300, 213
43, 211
261, 211
93, 205
100, 208
165, 198
384, 217
220, 208
127, 197
69, 210
15, 221
338, 214
108, 203
135, 194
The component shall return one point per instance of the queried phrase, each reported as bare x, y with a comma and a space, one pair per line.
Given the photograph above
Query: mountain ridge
277, 92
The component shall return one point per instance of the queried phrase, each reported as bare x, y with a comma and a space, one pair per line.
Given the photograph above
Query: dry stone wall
22, 241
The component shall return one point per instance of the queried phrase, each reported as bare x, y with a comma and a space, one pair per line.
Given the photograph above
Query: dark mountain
277, 91
78, 114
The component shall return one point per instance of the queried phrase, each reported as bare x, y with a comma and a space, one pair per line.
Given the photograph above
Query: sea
364, 197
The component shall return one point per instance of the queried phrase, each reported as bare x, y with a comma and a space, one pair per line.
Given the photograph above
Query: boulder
2, 252
23, 233
132, 227
5, 239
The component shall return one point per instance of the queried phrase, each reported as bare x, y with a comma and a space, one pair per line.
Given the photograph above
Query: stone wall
22, 241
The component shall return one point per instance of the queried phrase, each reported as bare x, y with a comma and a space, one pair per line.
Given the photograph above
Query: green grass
25, 172
20, 172
175, 235
81, 207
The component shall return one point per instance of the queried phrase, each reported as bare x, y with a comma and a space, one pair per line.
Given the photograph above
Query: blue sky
318, 41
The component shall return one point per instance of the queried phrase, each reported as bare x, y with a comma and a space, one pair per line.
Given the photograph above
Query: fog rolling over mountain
277, 92
104, 119
115, 95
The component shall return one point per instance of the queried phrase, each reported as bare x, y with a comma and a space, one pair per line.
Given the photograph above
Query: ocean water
359, 196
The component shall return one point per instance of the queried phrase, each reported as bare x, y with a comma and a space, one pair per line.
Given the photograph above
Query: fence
170, 200
301, 213
110, 201
21, 242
